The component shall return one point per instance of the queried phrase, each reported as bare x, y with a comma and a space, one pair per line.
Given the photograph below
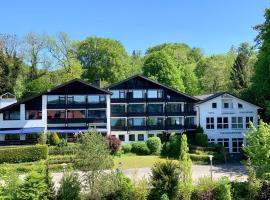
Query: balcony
77, 120
136, 114
119, 114
97, 105
190, 126
175, 113
56, 121
97, 120
83, 105
119, 128
136, 128
156, 127
56, 106
174, 127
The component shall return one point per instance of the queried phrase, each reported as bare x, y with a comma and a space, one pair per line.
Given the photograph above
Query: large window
237, 122
55, 99
96, 99
189, 121
117, 108
138, 94
136, 108
174, 107
248, 120
33, 114
222, 123
155, 108
155, 121
11, 115
118, 94
118, 122
56, 114
225, 143
155, 94
175, 120
76, 99
12, 137
210, 123
136, 122
237, 144
96, 114
76, 114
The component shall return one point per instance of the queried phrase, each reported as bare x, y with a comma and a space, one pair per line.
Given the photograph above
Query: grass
134, 161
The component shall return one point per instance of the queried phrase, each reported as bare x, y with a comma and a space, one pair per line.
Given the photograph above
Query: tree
93, 158
261, 78
161, 67
242, 69
164, 180
258, 149
185, 170
104, 59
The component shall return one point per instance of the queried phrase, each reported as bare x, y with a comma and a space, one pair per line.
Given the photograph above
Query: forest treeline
36, 62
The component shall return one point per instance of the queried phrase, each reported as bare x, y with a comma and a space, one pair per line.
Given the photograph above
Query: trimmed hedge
23, 154
154, 145
140, 148
65, 150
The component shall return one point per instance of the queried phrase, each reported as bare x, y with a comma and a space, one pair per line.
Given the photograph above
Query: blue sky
213, 25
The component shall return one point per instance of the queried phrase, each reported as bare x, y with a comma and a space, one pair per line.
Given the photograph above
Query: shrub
42, 138
203, 158
171, 148
264, 193
23, 154
239, 190
69, 188
114, 143
204, 189
154, 145
164, 180
54, 139
201, 139
62, 143
222, 190
140, 148
69, 149
126, 148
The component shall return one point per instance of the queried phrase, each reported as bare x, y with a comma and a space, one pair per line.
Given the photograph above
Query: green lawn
134, 161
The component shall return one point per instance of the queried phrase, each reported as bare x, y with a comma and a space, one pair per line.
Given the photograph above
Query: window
55, 99
121, 137
237, 122
33, 114
12, 115
131, 137
31, 136
138, 94
118, 108
248, 120
155, 121
210, 123
225, 143
222, 123
189, 121
174, 120
237, 144
118, 122
140, 137
78, 99
240, 105
56, 114
173, 107
214, 105
96, 114
211, 141
150, 135
155, 108
118, 94
155, 94
136, 122
136, 108
10, 137
227, 103
76, 114
96, 99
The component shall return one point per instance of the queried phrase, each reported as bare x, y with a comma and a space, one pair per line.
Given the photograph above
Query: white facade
225, 118
7, 99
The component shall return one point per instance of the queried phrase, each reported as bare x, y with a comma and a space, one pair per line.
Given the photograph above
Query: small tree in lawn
114, 144
93, 158
185, 170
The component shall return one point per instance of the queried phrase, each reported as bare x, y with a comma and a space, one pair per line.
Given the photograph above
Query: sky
213, 25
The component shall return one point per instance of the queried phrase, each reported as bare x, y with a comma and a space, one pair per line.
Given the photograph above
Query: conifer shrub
54, 139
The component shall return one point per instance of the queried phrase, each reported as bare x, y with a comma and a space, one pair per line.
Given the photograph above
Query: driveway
232, 171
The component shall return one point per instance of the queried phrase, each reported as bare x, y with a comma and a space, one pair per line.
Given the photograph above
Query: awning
101, 130
22, 130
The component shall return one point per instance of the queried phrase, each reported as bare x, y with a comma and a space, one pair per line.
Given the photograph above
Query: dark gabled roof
50, 90
155, 82
213, 96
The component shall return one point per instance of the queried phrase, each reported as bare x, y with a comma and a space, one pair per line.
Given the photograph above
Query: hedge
23, 154
65, 150
140, 148
154, 145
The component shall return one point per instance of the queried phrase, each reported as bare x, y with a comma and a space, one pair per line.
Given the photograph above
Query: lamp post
211, 163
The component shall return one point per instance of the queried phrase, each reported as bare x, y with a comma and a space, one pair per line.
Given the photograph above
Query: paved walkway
232, 171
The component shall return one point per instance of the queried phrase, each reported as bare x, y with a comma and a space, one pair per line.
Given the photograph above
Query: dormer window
214, 105
240, 105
